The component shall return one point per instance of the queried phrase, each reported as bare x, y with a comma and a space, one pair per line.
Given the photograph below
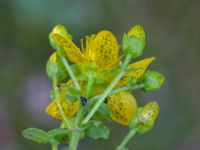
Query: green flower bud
133, 43
152, 80
145, 117
55, 68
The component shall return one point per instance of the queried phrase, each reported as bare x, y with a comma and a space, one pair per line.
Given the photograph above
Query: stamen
82, 45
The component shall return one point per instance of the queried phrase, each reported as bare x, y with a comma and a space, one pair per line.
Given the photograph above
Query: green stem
90, 81
75, 135
54, 147
108, 89
122, 89
71, 74
59, 105
126, 139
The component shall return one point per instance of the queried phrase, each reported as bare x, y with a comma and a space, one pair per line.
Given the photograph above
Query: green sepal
56, 70
37, 135
132, 45
72, 94
98, 130
52, 95
130, 81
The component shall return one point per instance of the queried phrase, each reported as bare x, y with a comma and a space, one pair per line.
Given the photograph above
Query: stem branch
71, 74
122, 89
59, 105
107, 91
126, 139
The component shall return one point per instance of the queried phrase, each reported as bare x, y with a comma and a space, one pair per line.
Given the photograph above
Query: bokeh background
173, 37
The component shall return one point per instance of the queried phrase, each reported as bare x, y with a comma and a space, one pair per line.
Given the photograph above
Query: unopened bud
152, 81
133, 43
145, 117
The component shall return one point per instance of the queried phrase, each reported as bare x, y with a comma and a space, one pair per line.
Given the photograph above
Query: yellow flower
70, 108
122, 107
101, 50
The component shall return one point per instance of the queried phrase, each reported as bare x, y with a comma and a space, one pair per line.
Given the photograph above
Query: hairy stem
59, 105
126, 139
107, 91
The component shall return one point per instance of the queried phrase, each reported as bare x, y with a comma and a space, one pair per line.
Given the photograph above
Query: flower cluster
98, 85
99, 60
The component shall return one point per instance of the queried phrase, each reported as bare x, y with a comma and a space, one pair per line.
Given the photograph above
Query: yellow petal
122, 107
70, 108
137, 31
150, 112
138, 68
54, 57
72, 51
102, 49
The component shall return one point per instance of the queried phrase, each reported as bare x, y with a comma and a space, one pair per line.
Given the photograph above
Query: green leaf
103, 112
130, 81
98, 130
36, 135
59, 134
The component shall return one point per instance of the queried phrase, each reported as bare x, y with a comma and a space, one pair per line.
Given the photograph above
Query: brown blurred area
173, 35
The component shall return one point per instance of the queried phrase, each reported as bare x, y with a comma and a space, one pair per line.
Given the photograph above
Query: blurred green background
173, 36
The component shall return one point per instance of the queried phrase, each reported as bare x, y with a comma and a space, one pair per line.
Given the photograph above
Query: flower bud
133, 43
61, 30
57, 37
152, 80
145, 117
55, 68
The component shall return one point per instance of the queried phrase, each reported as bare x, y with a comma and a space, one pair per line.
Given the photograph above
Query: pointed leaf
98, 130
36, 135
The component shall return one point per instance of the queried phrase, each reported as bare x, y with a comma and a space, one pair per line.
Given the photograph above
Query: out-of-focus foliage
172, 33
